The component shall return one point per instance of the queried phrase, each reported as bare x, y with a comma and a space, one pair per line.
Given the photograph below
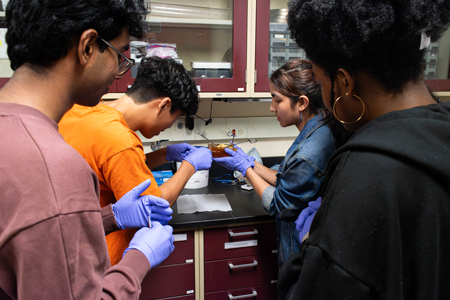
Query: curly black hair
381, 37
40, 31
164, 77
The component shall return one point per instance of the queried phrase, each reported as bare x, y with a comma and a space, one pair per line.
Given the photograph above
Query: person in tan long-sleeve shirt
52, 229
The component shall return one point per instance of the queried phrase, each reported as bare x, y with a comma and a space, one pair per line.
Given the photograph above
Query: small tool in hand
252, 141
202, 136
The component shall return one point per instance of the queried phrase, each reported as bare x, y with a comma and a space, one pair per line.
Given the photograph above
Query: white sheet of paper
189, 204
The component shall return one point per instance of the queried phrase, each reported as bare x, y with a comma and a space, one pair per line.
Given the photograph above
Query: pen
149, 222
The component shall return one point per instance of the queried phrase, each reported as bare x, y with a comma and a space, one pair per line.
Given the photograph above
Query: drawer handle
255, 231
180, 237
250, 265
231, 297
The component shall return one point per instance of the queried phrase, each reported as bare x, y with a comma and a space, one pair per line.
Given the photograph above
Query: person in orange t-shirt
105, 136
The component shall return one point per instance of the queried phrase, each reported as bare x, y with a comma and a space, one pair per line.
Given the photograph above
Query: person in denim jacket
296, 100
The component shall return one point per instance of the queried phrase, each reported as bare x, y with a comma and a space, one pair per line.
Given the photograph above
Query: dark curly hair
164, 77
294, 79
40, 31
378, 36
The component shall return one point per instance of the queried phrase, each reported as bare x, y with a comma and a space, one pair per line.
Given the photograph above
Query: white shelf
190, 21
2, 14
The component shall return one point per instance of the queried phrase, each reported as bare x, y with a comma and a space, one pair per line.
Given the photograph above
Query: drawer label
242, 244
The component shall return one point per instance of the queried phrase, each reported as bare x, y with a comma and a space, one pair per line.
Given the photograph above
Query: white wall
255, 118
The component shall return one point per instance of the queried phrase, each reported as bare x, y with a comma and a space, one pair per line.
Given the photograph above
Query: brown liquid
219, 151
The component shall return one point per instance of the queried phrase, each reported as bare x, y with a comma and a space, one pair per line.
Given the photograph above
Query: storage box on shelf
431, 60
282, 47
176, 275
240, 261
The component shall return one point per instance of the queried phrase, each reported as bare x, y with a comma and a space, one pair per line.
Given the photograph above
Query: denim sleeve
267, 197
298, 184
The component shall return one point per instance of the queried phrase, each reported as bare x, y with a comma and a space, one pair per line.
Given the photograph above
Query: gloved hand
303, 223
133, 210
237, 161
201, 158
156, 243
179, 151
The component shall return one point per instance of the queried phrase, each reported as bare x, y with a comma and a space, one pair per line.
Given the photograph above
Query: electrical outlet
238, 126
181, 133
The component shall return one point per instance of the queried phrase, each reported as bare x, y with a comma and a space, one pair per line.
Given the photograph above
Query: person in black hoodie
383, 229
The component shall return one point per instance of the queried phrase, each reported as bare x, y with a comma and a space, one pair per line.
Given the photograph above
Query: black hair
40, 31
381, 37
294, 79
164, 77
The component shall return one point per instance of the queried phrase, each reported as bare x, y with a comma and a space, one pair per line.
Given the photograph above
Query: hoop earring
301, 117
344, 122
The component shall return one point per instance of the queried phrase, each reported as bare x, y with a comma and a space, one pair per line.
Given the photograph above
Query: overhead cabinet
231, 47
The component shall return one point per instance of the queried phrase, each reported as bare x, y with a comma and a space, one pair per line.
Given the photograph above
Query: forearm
156, 158
265, 173
258, 183
172, 188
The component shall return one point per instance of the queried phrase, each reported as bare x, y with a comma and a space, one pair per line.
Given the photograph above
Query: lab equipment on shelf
162, 50
211, 69
188, 11
282, 47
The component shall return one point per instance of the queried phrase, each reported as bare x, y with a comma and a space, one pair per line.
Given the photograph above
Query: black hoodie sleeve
314, 275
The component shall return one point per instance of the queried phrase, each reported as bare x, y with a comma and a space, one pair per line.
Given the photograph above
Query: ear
164, 105
303, 103
87, 45
343, 83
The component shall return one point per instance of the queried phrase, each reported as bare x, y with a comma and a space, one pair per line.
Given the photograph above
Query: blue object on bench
162, 176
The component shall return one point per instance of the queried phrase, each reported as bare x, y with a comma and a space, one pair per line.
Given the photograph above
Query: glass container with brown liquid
218, 150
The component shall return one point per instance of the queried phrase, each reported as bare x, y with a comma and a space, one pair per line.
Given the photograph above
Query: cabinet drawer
169, 281
221, 243
184, 249
240, 272
265, 292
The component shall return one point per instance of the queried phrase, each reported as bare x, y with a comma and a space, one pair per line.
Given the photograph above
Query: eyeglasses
125, 63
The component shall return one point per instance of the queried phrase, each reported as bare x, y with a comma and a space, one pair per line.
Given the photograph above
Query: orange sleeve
122, 172
127, 169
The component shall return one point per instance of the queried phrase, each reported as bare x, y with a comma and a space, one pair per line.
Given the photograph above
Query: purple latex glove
303, 223
200, 158
178, 152
133, 210
155, 243
236, 161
